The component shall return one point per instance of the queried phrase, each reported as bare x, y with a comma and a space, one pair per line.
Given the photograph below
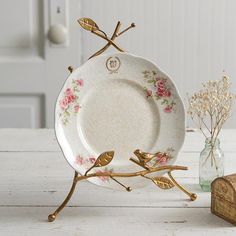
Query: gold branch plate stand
142, 159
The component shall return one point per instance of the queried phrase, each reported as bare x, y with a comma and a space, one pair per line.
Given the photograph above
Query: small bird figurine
144, 158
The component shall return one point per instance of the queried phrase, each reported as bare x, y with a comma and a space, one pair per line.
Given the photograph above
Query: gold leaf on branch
88, 24
162, 182
104, 159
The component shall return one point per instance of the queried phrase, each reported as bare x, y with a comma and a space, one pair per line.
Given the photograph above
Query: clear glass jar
211, 163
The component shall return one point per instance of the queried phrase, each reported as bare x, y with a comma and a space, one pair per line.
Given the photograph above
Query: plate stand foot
53, 216
192, 196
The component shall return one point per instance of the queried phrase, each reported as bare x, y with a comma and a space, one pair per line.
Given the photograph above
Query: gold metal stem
99, 52
102, 32
108, 40
133, 174
115, 33
192, 196
53, 216
127, 188
108, 44
88, 170
131, 26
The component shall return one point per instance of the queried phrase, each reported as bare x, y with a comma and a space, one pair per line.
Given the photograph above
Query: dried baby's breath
212, 106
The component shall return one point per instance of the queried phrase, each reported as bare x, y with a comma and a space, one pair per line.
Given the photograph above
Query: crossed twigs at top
90, 25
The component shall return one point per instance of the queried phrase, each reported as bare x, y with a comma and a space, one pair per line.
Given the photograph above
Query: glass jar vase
211, 163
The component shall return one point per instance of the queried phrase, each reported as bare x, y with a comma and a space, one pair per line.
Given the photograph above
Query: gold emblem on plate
113, 64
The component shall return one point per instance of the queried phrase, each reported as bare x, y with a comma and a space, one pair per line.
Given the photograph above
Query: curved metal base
78, 178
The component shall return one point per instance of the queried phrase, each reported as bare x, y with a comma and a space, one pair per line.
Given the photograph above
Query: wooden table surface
35, 178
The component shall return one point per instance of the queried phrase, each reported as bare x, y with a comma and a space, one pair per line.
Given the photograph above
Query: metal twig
111, 41
127, 188
131, 26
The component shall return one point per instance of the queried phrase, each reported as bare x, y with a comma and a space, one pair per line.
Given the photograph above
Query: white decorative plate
118, 102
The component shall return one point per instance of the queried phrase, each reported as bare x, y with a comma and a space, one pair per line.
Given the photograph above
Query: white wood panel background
191, 40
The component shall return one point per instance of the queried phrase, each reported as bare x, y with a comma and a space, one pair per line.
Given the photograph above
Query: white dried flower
212, 106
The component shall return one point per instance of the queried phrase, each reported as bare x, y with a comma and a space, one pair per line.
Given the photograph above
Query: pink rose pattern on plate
162, 159
88, 162
79, 160
69, 103
105, 171
159, 89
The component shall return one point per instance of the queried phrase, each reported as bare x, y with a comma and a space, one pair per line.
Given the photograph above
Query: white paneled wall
190, 40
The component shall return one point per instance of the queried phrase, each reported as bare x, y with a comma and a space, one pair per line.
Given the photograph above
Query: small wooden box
223, 198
